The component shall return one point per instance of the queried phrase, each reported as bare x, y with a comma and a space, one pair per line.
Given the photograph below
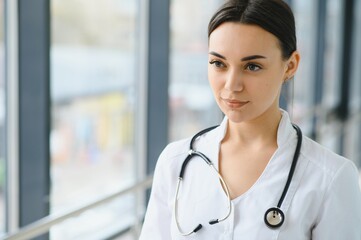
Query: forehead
243, 39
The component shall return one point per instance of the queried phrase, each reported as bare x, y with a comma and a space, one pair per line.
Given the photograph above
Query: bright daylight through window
93, 58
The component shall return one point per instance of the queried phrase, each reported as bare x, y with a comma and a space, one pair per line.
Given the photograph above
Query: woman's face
246, 70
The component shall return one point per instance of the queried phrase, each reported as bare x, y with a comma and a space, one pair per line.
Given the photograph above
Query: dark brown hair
274, 16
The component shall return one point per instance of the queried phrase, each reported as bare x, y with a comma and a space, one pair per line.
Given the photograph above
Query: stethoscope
274, 216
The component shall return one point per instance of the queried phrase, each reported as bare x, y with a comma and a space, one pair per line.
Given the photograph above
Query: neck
257, 132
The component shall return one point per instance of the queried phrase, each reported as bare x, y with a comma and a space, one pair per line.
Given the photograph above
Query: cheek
215, 81
265, 89
273, 80
269, 91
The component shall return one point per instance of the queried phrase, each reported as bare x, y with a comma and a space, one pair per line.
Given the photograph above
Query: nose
234, 81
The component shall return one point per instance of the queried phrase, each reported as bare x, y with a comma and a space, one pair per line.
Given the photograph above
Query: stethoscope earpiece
214, 221
197, 228
274, 217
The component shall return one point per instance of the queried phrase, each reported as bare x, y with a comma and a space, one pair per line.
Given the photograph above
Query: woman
272, 183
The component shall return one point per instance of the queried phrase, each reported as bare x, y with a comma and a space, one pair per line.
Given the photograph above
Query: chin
236, 116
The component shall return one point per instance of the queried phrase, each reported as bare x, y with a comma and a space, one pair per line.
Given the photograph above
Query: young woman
265, 180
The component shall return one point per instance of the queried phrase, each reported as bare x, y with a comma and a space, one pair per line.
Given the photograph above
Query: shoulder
327, 163
179, 149
171, 158
174, 150
170, 163
332, 188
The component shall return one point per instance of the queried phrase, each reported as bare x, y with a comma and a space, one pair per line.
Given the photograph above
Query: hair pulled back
274, 16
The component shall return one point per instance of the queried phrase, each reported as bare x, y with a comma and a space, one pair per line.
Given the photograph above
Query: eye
217, 64
253, 67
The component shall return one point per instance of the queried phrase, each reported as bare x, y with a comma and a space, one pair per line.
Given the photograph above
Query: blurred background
92, 91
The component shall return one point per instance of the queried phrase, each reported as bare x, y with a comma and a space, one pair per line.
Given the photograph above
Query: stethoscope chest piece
274, 217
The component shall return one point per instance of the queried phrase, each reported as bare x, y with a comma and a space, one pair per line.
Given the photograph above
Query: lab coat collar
284, 132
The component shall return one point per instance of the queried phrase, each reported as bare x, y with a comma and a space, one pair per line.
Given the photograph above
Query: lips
234, 103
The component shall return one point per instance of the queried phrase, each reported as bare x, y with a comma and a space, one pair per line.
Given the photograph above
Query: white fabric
322, 203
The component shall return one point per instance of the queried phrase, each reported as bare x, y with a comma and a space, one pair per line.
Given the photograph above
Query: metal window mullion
12, 116
34, 110
346, 60
346, 67
319, 66
158, 80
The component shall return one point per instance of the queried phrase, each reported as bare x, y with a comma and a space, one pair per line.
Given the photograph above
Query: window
333, 53
332, 74
301, 109
310, 116
93, 64
191, 102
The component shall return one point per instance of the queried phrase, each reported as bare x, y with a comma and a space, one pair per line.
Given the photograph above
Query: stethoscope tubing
293, 166
192, 153
274, 217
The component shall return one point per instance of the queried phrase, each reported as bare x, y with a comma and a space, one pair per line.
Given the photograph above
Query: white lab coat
323, 201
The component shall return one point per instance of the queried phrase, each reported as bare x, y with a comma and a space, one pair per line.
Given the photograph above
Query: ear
292, 65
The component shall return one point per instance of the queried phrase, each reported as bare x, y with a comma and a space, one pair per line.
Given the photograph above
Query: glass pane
192, 106
332, 73
304, 80
93, 58
333, 53
2, 120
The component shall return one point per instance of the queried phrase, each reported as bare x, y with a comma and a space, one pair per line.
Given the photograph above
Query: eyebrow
252, 57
